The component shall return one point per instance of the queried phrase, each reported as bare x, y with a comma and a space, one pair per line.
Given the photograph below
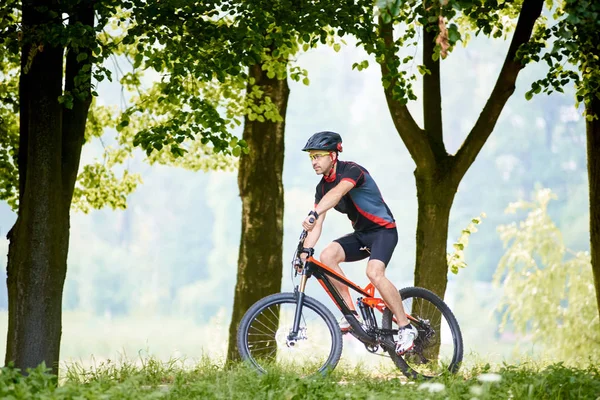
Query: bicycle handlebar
296, 262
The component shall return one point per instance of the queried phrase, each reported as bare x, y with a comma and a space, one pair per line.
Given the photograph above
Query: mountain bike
296, 331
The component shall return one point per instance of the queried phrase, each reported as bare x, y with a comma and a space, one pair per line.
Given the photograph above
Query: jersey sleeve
318, 194
353, 174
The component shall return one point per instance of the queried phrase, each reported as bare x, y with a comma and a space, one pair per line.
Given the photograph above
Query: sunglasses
316, 156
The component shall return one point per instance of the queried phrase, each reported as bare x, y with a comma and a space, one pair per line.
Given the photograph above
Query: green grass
150, 378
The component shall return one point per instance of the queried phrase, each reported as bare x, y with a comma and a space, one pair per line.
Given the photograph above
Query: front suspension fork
299, 304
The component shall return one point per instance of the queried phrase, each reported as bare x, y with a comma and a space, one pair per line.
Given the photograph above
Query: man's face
321, 161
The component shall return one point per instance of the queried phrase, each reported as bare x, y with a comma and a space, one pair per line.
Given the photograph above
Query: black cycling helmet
326, 140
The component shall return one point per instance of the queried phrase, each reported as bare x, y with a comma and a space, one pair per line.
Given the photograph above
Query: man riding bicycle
349, 188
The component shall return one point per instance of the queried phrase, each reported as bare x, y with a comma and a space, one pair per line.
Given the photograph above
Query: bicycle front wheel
439, 346
264, 339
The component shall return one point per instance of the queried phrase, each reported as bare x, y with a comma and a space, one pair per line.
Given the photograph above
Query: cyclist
350, 189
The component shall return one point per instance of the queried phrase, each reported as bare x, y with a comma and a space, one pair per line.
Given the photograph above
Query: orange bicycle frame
323, 273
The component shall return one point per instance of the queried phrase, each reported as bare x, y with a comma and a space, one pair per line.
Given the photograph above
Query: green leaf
137, 60
81, 57
453, 34
336, 47
395, 7
529, 95
387, 18
423, 70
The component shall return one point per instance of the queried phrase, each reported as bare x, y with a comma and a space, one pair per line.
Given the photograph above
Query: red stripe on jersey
349, 180
378, 220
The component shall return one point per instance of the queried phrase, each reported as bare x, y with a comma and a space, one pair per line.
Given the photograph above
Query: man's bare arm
313, 236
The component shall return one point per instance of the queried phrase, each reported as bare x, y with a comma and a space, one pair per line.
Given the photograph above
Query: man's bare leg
332, 256
389, 292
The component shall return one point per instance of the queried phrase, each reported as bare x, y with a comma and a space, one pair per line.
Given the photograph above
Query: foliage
9, 105
450, 21
456, 259
575, 43
76, 37
172, 380
195, 56
162, 120
39, 383
202, 53
548, 290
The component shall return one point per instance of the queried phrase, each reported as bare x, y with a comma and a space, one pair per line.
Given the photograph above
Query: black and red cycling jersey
363, 204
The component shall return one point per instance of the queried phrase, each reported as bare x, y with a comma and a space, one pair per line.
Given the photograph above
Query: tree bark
261, 189
593, 164
435, 195
48, 162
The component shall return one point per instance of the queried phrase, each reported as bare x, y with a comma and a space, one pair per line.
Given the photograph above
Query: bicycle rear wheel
439, 346
263, 341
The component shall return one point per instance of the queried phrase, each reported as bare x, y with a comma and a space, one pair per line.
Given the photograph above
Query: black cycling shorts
380, 242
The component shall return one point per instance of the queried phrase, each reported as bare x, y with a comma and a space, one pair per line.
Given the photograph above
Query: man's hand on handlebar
299, 262
309, 222
299, 265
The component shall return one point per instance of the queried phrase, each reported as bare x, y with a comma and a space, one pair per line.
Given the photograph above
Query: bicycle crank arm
358, 331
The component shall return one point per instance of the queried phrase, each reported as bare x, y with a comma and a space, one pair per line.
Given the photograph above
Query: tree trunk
435, 194
261, 189
593, 163
435, 190
50, 147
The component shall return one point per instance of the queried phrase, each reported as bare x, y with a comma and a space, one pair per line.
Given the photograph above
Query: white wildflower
489, 378
476, 390
432, 387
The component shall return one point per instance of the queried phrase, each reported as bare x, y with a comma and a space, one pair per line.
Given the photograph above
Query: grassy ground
90, 339
152, 379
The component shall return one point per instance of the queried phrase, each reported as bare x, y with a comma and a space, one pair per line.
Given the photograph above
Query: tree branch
504, 88
74, 119
432, 96
413, 137
23, 121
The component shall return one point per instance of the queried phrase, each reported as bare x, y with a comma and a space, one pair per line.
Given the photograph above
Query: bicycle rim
264, 330
439, 346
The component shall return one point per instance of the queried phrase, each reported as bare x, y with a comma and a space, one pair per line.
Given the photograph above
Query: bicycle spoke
268, 328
